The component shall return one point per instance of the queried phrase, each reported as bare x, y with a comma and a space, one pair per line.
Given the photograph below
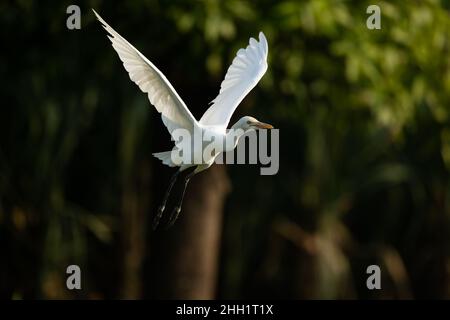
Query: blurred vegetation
364, 124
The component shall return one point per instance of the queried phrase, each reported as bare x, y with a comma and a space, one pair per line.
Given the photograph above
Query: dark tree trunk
187, 254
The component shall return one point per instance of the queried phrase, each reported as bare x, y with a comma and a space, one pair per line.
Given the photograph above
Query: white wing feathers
247, 69
150, 80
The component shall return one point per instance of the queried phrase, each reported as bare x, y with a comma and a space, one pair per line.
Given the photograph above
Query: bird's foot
158, 217
174, 216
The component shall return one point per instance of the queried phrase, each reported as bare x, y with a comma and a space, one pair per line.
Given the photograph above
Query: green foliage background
364, 143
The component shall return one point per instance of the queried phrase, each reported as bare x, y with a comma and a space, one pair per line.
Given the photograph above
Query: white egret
246, 70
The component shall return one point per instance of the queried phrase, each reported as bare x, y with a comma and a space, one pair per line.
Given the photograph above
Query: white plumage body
246, 70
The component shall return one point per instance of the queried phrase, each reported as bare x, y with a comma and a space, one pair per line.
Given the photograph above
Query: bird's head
247, 123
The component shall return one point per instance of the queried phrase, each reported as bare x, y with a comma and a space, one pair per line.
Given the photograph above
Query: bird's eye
248, 122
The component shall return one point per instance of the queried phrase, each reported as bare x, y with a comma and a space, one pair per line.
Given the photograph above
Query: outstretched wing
150, 80
247, 69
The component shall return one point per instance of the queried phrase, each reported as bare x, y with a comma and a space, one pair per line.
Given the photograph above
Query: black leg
166, 196
176, 211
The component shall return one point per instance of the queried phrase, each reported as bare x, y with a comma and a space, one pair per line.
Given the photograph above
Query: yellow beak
263, 125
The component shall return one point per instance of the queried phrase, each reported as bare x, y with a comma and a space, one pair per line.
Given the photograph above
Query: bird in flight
246, 70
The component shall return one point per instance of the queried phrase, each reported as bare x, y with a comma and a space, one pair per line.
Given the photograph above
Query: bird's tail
165, 157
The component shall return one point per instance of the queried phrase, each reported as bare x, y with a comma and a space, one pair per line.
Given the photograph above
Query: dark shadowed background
364, 125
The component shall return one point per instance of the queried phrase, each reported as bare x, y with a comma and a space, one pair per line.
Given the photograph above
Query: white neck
232, 137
